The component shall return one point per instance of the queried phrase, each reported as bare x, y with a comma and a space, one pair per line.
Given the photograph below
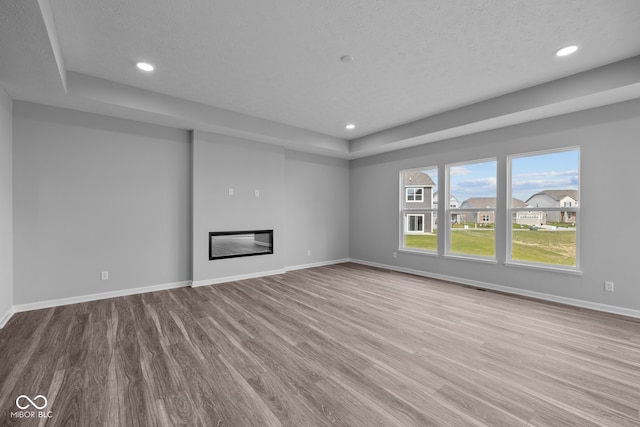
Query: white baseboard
144, 289
484, 285
219, 280
522, 292
316, 264
94, 297
5, 318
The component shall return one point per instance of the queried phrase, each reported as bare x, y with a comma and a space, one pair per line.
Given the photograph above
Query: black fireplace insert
233, 244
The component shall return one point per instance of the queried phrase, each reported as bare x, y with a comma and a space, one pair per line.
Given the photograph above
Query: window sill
417, 252
554, 269
471, 258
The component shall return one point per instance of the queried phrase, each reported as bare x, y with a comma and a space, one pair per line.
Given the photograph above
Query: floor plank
344, 345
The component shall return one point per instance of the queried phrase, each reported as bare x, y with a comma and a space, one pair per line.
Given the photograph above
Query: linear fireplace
232, 244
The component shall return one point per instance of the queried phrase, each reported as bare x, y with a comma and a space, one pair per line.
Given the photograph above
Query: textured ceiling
280, 60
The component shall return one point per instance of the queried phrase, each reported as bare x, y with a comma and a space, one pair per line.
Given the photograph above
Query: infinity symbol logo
22, 397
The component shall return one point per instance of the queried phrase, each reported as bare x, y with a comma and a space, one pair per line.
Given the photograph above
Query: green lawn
478, 242
421, 241
550, 247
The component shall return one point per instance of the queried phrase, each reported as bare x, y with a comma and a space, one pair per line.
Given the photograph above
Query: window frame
417, 215
405, 211
511, 211
448, 211
415, 189
503, 213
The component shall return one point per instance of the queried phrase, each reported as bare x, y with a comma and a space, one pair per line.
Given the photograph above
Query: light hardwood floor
336, 345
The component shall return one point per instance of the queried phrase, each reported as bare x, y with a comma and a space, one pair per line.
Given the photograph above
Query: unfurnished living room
313, 213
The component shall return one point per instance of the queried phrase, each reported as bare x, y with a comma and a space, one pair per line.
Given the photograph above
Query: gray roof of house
557, 194
489, 202
517, 203
418, 178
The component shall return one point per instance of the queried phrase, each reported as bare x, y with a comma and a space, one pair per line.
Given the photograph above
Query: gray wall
607, 136
6, 206
317, 209
220, 163
92, 194
303, 198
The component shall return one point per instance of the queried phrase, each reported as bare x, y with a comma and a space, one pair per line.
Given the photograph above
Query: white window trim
448, 211
414, 195
407, 210
407, 224
510, 211
445, 226
546, 267
422, 252
474, 258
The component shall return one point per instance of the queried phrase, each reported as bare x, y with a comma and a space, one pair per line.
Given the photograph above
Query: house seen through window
543, 230
541, 210
419, 209
470, 232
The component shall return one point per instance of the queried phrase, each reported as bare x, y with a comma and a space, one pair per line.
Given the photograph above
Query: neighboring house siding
453, 203
483, 217
416, 209
554, 199
486, 217
421, 181
426, 198
530, 218
542, 201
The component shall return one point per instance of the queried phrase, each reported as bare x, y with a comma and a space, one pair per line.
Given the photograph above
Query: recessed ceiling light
350, 126
145, 66
346, 58
568, 50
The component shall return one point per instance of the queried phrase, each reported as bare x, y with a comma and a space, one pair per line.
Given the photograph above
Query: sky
473, 180
551, 171
529, 175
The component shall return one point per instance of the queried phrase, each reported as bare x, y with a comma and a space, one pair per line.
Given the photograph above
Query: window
414, 194
419, 209
544, 209
470, 232
539, 210
415, 222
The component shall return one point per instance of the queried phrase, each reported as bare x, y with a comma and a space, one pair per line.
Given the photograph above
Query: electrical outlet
257, 193
608, 286
395, 254
231, 191
104, 275
309, 252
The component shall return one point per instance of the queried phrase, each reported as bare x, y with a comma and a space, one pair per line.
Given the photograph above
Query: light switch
231, 191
